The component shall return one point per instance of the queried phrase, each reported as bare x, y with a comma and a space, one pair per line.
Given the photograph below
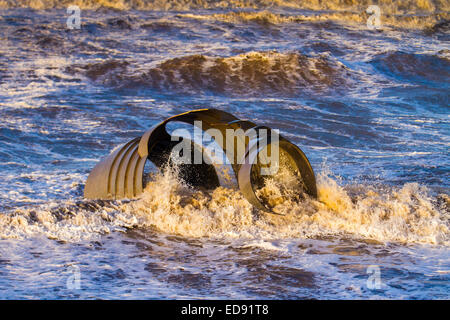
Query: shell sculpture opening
121, 174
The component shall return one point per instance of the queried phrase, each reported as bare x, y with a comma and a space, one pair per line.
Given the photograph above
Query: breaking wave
406, 214
389, 6
433, 22
418, 67
249, 73
403, 13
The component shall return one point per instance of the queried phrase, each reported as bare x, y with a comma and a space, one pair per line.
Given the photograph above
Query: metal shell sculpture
120, 175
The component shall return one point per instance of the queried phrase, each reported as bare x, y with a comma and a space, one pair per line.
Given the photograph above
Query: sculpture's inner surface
249, 152
286, 184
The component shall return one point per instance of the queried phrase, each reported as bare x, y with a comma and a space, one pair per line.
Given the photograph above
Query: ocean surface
368, 106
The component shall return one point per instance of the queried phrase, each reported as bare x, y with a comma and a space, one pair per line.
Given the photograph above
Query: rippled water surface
370, 108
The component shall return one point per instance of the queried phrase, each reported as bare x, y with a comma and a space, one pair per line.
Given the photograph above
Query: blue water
369, 108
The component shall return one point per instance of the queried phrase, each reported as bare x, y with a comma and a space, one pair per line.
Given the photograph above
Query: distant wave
410, 14
417, 67
249, 73
388, 6
431, 22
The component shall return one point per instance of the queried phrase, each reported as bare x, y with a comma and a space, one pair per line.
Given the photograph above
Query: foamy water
369, 108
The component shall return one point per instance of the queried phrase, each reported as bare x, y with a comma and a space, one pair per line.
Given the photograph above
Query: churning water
370, 108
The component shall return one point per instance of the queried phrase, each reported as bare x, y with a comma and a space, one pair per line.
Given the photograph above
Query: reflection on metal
120, 175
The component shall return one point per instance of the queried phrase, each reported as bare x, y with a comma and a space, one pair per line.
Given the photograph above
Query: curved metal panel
245, 178
210, 118
119, 175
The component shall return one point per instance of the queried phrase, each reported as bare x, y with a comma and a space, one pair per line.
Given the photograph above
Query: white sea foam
408, 214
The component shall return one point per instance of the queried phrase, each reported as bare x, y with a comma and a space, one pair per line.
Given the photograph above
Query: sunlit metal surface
120, 175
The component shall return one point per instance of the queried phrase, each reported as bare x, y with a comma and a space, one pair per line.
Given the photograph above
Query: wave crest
430, 22
251, 73
418, 67
388, 6
404, 13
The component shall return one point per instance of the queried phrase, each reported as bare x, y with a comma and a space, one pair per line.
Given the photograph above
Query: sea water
367, 103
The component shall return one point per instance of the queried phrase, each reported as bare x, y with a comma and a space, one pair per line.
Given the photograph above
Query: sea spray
405, 214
